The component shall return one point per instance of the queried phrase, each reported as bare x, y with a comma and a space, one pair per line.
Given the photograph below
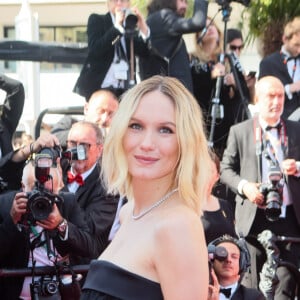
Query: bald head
269, 97
101, 107
28, 179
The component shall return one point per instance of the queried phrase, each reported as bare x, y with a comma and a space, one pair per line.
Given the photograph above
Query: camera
46, 287
217, 252
75, 153
40, 204
40, 200
130, 19
272, 192
226, 2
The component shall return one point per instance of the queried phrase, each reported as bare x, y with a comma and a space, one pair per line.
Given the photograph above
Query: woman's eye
166, 130
135, 126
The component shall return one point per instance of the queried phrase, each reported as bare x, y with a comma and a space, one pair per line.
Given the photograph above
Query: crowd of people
132, 191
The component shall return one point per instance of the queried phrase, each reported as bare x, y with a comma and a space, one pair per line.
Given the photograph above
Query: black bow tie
278, 127
226, 292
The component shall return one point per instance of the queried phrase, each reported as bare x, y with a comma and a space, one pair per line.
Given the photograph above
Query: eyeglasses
234, 47
75, 144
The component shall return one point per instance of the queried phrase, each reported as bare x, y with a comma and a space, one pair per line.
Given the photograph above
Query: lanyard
261, 141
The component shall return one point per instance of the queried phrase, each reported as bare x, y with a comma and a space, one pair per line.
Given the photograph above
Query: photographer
108, 60
228, 270
83, 179
27, 240
254, 147
167, 22
11, 165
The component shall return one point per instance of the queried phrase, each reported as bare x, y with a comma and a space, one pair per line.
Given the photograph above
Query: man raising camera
228, 270
108, 61
254, 148
28, 240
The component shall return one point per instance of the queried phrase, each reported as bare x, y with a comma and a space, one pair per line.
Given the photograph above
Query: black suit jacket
102, 36
240, 162
15, 246
169, 53
99, 208
9, 118
243, 293
274, 65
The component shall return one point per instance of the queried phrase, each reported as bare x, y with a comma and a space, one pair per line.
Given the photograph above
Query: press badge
121, 70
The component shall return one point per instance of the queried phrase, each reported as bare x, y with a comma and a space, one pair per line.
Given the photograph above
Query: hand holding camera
19, 207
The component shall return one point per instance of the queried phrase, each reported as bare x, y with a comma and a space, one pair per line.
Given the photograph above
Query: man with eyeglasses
83, 179
109, 48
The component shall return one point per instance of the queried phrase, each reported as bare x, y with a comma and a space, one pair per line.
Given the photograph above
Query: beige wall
55, 13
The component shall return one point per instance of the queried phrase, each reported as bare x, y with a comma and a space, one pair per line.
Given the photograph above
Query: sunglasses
234, 47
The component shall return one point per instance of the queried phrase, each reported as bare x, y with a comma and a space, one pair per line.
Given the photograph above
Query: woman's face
150, 142
212, 32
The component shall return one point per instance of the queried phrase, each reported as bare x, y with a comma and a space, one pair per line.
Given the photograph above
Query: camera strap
42, 239
262, 143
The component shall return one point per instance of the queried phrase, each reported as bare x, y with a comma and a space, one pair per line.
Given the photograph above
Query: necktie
77, 178
226, 292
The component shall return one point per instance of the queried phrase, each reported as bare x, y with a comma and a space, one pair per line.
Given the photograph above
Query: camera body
40, 204
272, 192
45, 287
130, 20
40, 200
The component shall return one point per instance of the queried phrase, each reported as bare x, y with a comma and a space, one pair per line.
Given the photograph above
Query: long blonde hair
194, 163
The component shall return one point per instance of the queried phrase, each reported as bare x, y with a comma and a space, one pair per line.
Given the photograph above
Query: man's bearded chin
181, 13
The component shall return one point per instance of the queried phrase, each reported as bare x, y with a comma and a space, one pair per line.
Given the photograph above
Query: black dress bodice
219, 222
107, 281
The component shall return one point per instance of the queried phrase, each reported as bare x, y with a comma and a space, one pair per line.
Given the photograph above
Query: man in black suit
228, 270
22, 242
167, 25
108, 61
255, 148
83, 179
285, 65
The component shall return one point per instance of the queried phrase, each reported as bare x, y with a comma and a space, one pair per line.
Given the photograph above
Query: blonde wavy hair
200, 53
194, 162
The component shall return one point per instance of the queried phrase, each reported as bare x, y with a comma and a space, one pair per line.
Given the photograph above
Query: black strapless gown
107, 281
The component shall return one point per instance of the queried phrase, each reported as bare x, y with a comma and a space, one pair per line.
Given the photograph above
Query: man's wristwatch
62, 227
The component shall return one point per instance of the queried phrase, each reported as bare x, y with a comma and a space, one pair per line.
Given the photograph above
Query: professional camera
130, 19
226, 2
44, 287
272, 191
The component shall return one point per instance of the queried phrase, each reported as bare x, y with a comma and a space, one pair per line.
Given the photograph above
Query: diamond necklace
159, 202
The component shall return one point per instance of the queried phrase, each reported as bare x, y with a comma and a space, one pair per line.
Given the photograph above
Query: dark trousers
288, 252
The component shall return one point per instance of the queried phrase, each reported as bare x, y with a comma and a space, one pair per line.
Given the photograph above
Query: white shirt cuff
241, 185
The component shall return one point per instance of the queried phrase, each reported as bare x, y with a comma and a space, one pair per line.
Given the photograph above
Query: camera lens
273, 206
51, 288
40, 208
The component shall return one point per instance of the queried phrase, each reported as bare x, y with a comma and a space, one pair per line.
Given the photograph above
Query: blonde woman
156, 155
